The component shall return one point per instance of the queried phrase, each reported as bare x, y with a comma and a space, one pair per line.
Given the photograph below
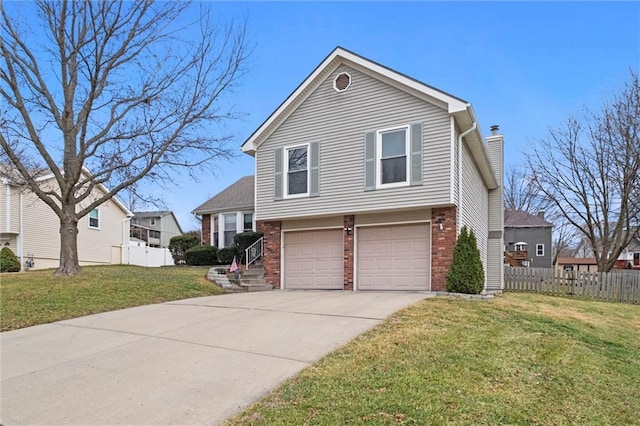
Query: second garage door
313, 259
394, 257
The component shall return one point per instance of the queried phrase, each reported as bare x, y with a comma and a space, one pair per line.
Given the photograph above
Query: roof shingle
237, 196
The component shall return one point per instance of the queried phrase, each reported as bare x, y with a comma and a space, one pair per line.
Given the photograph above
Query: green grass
519, 359
38, 297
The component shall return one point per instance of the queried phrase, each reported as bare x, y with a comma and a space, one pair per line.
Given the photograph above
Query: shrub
466, 274
244, 240
226, 255
201, 256
8, 261
179, 245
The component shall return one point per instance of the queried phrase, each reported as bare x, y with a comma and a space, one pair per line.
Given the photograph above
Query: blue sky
523, 65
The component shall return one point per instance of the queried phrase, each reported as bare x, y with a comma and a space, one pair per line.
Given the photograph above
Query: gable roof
238, 196
522, 219
460, 109
161, 214
44, 175
151, 214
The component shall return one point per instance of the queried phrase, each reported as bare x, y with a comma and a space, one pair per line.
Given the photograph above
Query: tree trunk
69, 264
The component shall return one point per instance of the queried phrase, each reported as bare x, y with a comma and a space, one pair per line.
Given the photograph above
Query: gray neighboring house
155, 228
527, 239
228, 213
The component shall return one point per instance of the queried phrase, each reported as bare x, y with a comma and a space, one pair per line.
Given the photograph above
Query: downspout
460, 186
21, 231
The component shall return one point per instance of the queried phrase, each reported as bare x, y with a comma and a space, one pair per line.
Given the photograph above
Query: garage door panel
394, 257
313, 260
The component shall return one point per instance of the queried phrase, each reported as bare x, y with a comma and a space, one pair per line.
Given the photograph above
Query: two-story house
365, 176
32, 230
155, 228
527, 239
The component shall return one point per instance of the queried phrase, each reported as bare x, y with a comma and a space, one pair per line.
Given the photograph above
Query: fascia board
330, 63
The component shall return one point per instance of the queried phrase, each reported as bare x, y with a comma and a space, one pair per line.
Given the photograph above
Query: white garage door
394, 257
313, 259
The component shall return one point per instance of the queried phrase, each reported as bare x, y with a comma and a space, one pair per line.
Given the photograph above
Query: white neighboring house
31, 229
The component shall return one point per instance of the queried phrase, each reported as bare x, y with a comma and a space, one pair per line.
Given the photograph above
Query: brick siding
442, 242
349, 222
272, 235
206, 229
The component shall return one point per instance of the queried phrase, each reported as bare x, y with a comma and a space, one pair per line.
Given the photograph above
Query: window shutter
314, 169
370, 161
277, 173
416, 154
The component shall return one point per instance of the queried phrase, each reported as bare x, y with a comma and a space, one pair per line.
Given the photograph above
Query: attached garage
394, 257
313, 260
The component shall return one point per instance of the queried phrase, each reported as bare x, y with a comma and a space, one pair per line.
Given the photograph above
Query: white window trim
285, 190
538, 246
407, 153
89, 220
335, 79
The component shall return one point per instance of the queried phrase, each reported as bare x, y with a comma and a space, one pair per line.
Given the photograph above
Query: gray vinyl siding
339, 121
456, 169
495, 246
474, 203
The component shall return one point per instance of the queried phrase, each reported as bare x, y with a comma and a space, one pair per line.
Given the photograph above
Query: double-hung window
229, 229
94, 219
393, 154
248, 222
540, 250
296, 174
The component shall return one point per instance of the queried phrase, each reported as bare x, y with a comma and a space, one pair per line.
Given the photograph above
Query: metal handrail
253, 252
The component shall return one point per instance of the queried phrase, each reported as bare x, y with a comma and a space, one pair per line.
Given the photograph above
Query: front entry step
250, 280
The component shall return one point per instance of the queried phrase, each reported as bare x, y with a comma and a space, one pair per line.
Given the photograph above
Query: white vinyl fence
148, 256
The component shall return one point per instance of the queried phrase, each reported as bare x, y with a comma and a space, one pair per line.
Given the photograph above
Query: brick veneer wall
272, 235
348, 252
206, 229
442, 242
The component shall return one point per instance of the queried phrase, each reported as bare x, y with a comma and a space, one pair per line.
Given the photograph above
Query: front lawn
519, 359
38, 297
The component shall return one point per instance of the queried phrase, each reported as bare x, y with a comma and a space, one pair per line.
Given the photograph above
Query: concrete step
256, 287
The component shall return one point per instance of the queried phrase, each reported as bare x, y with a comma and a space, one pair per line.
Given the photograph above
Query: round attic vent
342, 82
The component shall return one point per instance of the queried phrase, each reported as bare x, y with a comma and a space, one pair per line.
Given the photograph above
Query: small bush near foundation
201, 256
466, 274
8, 261
226, 255
244, 240
179, 245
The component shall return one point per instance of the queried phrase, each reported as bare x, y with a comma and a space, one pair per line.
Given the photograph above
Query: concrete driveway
194, 361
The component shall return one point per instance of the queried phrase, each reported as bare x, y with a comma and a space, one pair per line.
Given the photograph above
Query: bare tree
112, 93
589, 169
520, 193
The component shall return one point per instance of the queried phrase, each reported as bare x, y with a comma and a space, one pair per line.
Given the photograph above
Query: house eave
224, 210
337, 57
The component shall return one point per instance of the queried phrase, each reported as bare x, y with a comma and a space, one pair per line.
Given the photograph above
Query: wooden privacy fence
616, 286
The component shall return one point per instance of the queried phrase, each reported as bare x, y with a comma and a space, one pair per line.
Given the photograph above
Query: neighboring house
31, 229
527, 239
228, 213
582, 264
155, 228
364, 178
629, 258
